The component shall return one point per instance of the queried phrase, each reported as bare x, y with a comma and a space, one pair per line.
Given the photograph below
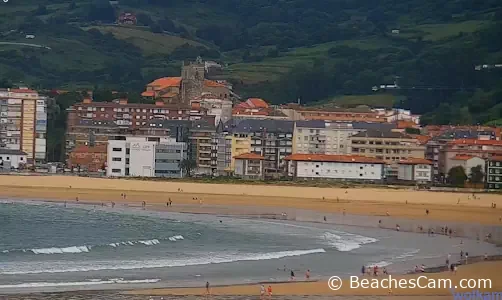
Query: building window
117, 149
127, 173
127, 161
116, 159
115, 170
128, 151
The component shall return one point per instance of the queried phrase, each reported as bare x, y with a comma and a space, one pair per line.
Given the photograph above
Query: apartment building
417, 170
483, 149
321, 137
494, 172
388, 146
249, 166
221, 109
91, 123
272, 139
145, 157
342, 167
23, 123
203, 147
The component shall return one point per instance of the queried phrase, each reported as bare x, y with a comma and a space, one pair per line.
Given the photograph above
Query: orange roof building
249, 166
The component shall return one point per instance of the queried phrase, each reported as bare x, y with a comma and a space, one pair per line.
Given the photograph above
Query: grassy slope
149, 42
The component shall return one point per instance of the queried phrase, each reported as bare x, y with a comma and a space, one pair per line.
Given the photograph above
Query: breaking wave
149, 264
347, 242
78, 283
87, 248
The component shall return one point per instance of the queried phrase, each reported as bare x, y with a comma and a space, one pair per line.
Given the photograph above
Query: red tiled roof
22, 91
211, 83
249, 156
165, 82
422, 139
148, 94
334, 158
257, 103
402, 124
415, 161
475, 142
463, 157
496, 158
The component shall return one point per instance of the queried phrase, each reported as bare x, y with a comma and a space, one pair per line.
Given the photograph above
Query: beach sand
398, 203
403, 203
482, 270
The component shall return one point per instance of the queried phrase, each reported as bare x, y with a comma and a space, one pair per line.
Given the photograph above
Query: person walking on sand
307, 275
208, 292
269, 292
292, 275
363, 270
262, 292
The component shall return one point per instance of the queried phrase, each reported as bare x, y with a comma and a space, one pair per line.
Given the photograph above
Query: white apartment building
415, 169
320, 137
23, 123
343, 167
145, 157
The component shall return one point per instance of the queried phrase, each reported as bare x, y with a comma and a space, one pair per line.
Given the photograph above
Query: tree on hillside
457, 176
188, 165
101, 10
477, 174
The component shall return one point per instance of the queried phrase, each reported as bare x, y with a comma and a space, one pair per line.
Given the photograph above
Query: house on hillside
126, 18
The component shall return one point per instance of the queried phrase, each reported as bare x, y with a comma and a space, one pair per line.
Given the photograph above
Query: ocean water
50, 247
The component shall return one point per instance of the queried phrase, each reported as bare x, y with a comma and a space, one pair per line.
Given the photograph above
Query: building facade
203, 148
145, 157
342, 167
249, 166
416, 170
465, 161
12, 159
88, 159
23, 123
470, 147
494, 172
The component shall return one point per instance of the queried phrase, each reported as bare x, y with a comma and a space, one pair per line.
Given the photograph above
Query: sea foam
347, 241
77, 283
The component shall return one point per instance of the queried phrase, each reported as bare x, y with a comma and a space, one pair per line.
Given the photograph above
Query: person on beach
398, 228
375, 270
65, 204
363, 270
170, 202
292, 275
461, 254
452, 268
427, 211
486, 256
324, 218
385, 271
113, 204
368, 270
466, 257
208, 292
269, 292
262, 292
307, 275
76, 199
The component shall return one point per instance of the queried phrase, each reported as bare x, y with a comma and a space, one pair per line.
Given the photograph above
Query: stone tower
192, 80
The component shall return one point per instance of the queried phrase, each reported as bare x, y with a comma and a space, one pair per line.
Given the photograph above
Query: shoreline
470, 219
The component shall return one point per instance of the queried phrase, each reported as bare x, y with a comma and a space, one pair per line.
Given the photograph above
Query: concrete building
23, 123
249, 166
470, 147
145, 157
296, 112
88, 159
12, 159
221, 109
321, 137
343, 167
466, 161
272, 139
494, 172
388, 146
418, 170
203, 148
91, 123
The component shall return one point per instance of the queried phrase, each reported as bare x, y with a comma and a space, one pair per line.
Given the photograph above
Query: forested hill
276, 49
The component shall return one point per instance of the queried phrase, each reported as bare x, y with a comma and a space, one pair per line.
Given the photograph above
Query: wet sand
473, 218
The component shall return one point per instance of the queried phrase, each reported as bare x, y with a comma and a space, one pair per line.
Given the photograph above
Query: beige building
418, 170
465, 161
387, 145
249, 166
23, 123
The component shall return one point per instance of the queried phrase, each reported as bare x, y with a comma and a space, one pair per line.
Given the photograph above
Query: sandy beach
404, 204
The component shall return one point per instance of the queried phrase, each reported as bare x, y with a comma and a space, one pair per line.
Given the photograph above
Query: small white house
344, 167
418, 170
465, 161
12, 159
395, 31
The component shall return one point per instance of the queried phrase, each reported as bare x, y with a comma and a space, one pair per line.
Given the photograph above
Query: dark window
115, 170
116, 159
128, 151
127, 160
127, 171
117, 149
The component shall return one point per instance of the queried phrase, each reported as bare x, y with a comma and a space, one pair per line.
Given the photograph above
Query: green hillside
278, 50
